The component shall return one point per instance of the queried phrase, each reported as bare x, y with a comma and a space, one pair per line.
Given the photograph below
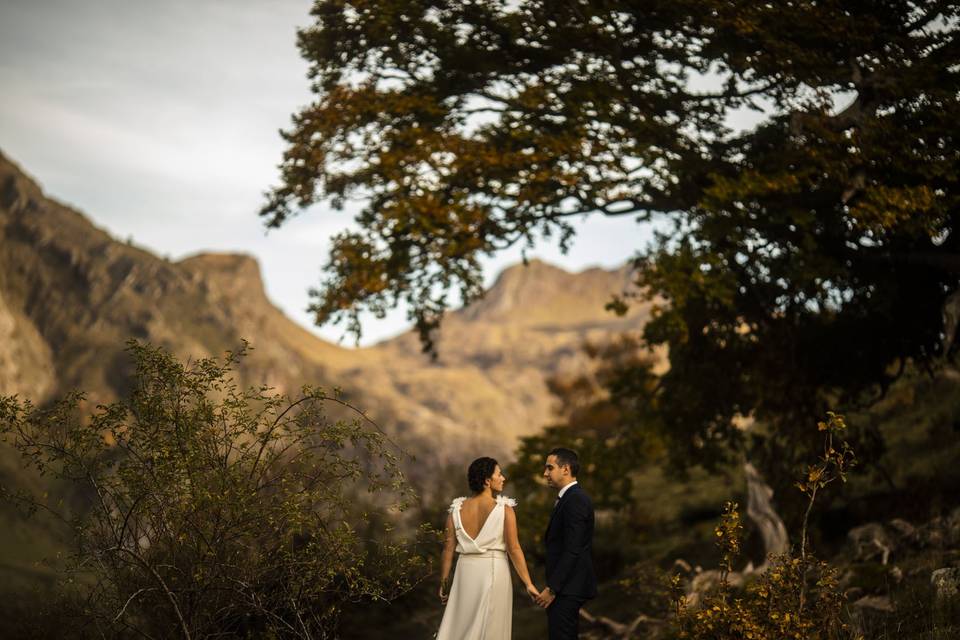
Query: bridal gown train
480, 606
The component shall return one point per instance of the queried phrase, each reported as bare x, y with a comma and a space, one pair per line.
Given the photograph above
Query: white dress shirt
564, 490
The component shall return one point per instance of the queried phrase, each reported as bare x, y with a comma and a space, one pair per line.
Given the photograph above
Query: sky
160, 120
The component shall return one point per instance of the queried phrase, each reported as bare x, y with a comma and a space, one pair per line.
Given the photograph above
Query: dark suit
569, 543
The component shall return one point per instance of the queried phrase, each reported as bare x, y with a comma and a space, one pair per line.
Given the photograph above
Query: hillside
71, 295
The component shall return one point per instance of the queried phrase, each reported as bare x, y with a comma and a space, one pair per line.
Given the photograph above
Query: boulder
946, 581
871, 541
877, 603
905, 531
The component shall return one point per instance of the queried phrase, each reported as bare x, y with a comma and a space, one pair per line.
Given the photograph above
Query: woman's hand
443, 596
533, 592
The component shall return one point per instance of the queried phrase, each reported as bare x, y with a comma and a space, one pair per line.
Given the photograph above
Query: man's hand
533, 592
545, 599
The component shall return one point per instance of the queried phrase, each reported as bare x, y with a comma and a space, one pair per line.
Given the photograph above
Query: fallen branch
618, 629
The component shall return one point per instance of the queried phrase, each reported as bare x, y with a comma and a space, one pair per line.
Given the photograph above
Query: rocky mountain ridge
71, 295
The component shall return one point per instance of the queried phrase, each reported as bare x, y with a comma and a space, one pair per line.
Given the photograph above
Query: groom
569, 540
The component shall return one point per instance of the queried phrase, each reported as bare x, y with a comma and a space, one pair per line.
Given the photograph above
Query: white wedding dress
480, 606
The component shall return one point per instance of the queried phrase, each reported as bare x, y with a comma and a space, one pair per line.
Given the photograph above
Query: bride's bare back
474, 513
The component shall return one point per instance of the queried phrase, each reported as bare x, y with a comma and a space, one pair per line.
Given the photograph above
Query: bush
797, 597
211, 509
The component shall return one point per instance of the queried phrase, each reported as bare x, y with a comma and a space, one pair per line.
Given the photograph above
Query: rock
904, 530
942, 531
871, 541
846, 579
705, 582
896, 574
946, 581
877, 603
683, 565
952, 527
872, 577
853, 592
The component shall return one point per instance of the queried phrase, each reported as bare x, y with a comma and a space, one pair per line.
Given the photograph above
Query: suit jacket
569, 543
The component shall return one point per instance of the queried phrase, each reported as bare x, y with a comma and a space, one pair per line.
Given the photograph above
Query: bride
483, 530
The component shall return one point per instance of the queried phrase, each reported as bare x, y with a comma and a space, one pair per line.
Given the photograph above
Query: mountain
71, 295
495, 357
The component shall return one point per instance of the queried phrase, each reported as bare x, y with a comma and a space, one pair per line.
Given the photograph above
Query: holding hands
545, 598
533, 592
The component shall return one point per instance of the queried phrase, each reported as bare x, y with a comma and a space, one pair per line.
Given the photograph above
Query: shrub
797, 597
211, 509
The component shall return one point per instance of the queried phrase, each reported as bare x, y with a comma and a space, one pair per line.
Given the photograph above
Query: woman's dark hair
568, 458
480, 470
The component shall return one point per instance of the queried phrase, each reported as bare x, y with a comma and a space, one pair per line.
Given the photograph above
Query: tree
207, 509
810, 257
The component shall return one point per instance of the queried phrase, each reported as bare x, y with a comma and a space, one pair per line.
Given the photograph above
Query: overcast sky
159, 121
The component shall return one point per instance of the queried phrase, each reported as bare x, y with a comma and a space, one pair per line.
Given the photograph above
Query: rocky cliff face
489, 383
71, 295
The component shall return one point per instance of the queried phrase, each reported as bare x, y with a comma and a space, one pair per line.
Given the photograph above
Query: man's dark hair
566, 457
480, 470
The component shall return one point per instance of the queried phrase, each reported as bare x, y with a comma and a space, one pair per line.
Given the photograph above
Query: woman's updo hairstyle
479, 472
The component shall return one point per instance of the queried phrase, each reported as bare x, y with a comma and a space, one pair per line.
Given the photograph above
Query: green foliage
809, 256
729, 536
213, 510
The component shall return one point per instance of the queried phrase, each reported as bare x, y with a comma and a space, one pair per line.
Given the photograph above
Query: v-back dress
480, 606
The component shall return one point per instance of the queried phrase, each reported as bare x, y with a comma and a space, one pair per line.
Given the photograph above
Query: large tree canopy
811, 254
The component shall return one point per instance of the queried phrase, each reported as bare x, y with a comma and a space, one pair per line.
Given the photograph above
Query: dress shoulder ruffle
510, 502
456, 503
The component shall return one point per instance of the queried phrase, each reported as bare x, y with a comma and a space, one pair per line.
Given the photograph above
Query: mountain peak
543, 294
16, 187
237, 272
